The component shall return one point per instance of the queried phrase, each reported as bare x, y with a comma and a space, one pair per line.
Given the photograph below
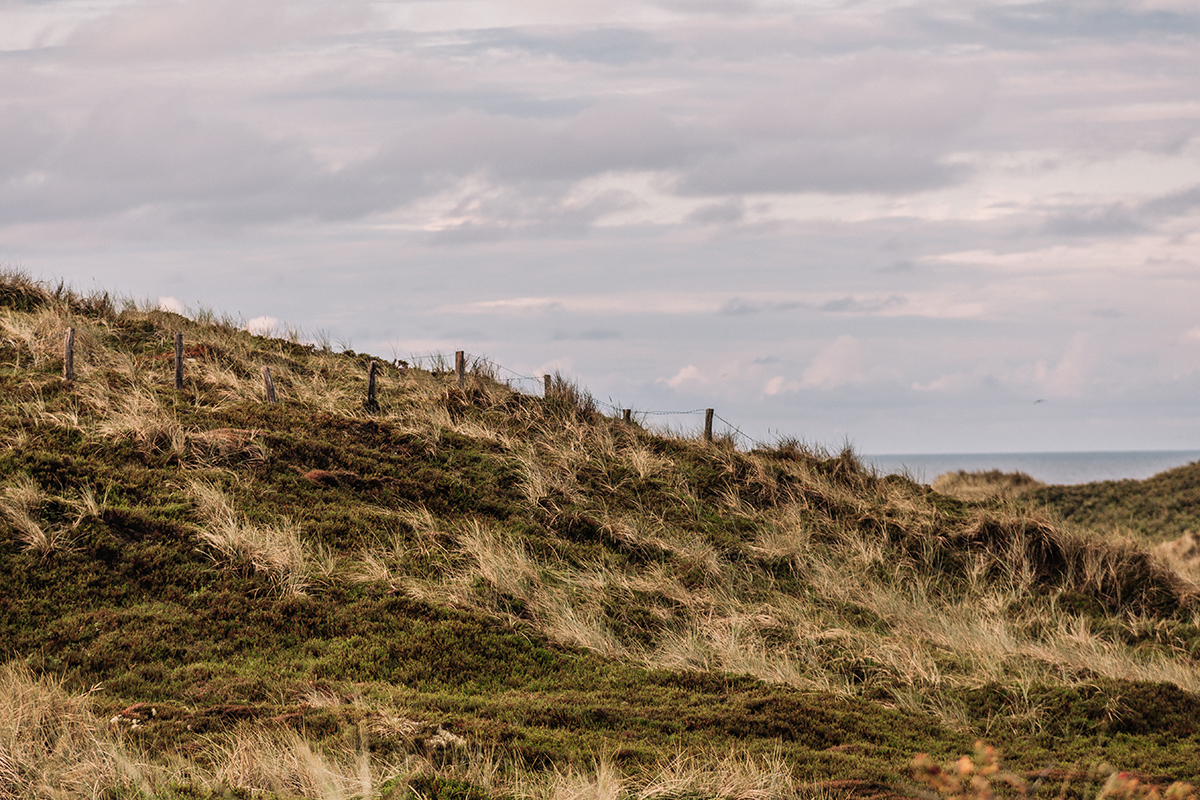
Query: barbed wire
517, 375
737, 430
620, 409
440, 360
414, 360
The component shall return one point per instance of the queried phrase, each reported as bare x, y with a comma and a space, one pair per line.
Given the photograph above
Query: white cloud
262, 326
780, 385
688, 376
932, 305
1139, 255
516, 305
170, 304
642, 302
838, 364
1071, 375
912, 200
183, 29
952, 383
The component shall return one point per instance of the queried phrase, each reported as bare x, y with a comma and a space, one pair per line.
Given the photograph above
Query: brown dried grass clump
1182, 555
51, 745
276, 550
1033, 552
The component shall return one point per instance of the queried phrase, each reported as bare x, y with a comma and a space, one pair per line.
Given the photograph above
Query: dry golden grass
276, 550
1182, 555
284, 762
40, 335
52, 746
139, 414
988, 485
727, 775
118, 394
19, 504
925, 645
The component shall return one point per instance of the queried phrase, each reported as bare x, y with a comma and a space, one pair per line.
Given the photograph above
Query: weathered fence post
629, 415
178, 362
460, 367
372, 403
549, 384
69, 356
708, 415
269, 385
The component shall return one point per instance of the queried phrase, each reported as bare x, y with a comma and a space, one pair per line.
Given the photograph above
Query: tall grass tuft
276, 550
52, 746
19, 504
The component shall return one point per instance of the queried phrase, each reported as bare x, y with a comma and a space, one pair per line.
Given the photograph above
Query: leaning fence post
372, 403
549, 382
69, 355
269, 385
460, 367
629, 415
178, 361
708, 415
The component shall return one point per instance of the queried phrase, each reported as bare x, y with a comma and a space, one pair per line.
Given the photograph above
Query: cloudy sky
916, 226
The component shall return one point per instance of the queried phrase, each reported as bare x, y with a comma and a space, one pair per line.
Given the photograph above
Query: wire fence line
439, 361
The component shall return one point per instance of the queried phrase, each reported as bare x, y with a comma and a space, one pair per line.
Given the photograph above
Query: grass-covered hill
1161, 508
470, 592
1162, 512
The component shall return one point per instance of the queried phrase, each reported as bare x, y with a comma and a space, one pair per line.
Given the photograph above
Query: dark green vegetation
468, 576
1160, 508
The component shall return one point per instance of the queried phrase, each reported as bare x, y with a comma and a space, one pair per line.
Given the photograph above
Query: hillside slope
468, 591
1160, 508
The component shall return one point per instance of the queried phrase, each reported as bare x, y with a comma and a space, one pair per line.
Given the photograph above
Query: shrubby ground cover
471, 592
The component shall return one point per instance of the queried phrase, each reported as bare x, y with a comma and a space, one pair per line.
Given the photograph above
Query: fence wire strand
438, 359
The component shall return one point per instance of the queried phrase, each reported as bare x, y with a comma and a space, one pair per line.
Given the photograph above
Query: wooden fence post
460, 367
708, 415
269, 385
549, 383
372, 403
178, 362
629, 415
69, 356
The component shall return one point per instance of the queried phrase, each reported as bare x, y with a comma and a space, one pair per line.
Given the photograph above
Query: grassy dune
1158, 509
472, 592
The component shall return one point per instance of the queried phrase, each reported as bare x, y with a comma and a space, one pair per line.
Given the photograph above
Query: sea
1057, 468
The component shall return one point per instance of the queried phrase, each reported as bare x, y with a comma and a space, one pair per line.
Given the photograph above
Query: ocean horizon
1055, 468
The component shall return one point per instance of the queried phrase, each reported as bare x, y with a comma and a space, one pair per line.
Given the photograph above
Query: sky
913, 227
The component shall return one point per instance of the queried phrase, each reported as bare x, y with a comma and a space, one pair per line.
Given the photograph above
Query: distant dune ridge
1162, 495
985, 485
465, 592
